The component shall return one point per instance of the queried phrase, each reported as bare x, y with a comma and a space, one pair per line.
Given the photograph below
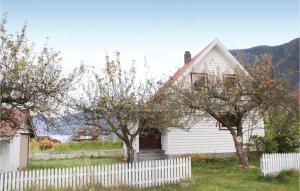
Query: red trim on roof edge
181, 70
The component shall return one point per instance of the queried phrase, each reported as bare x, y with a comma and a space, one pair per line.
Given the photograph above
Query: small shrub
265, 144
271, 146
34, 146
45, 144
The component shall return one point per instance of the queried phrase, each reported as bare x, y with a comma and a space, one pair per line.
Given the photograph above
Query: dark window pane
229, 81
199, 81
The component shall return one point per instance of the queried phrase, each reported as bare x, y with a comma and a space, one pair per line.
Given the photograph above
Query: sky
153, 31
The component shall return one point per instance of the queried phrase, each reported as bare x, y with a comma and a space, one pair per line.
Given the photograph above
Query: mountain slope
285, 58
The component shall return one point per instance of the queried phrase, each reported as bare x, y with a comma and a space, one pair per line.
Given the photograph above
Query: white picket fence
138, 174
272, 164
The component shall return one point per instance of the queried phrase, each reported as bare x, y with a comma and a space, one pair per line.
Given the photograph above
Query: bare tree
231, 99
116, 101
30, 80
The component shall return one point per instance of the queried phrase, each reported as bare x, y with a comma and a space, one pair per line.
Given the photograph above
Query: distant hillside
285, 58
64, 125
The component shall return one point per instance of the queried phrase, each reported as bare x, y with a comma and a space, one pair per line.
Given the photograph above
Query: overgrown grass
222, 175
87, 145
38, 164
78, 146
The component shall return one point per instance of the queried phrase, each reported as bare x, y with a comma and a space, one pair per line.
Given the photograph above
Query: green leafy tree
29, 80
282, 130
115, 100
231, 101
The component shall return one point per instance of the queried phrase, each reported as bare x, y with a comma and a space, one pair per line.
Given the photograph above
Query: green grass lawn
213, 175
228, 175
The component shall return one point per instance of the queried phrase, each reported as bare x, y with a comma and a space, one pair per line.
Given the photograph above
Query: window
199, 81
222, 127
230, 81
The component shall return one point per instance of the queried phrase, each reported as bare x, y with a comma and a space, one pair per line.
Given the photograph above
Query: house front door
150, 139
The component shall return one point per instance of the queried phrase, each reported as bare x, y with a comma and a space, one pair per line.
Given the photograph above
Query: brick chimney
187, 57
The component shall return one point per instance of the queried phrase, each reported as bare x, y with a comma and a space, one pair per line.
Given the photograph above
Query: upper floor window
230, 81
199, 81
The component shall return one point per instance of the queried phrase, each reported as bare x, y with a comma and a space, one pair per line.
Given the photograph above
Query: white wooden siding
10, 153
165, 142
203, 137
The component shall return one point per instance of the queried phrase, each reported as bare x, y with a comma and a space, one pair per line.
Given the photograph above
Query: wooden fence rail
138, 174
272, 164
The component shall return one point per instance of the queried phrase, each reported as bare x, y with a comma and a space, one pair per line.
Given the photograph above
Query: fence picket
141, 174
129, 174
274, 163
5, 181
67, 177
30, 181
13, 181
124, 174
162, 171
36, 179
135, 180
97, 175
165, 172
170, 171
39, 178
183, 168
9, 181
63, 178
26, 180
82, 177
109, 175
190, 167
42, 181
1, 181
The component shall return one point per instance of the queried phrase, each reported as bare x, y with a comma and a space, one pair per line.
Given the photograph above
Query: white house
14, 141
206, 136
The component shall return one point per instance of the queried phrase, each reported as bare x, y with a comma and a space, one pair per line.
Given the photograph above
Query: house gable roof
198, 57
9, 128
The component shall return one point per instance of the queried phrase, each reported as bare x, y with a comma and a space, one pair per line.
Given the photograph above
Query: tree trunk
130, 153
241, 152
